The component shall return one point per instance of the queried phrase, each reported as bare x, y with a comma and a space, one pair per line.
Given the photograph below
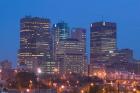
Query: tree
24, 79
94, 89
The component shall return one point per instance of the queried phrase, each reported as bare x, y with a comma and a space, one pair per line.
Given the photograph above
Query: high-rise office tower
69, 49
102, 41
79, 34
71, 56
60, 32
35, 44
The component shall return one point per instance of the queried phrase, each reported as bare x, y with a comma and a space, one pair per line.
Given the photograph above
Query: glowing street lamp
15, 71
62, 86
91, 84
0, 70
30, 84
0, 74
28, 90
134, 90
70, 72
56, 70
77, 82
39, 70
82, 91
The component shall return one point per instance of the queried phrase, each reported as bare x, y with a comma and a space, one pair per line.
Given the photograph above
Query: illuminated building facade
120, 59
71, 56
122, 56
79, 34
134, 67
102, 41
35, 44
69, 48
60, 31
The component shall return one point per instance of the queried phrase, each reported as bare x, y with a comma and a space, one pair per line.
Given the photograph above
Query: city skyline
126, 22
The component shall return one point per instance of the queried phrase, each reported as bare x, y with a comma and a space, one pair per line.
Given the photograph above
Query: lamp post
134, 90
56, 71
118, 85
1, 79
0, 74
30, 85
39, 72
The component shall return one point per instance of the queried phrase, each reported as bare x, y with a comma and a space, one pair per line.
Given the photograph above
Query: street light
30, 84
0, 70
82, 91
92, 84
15, 71
39, 71
56, 71
62, 86
0, 74
28, 90
134, 89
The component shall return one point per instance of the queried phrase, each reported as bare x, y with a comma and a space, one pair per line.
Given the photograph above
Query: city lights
81, 53
39, 70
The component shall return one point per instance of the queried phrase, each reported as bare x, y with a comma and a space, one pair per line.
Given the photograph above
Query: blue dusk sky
78, 13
